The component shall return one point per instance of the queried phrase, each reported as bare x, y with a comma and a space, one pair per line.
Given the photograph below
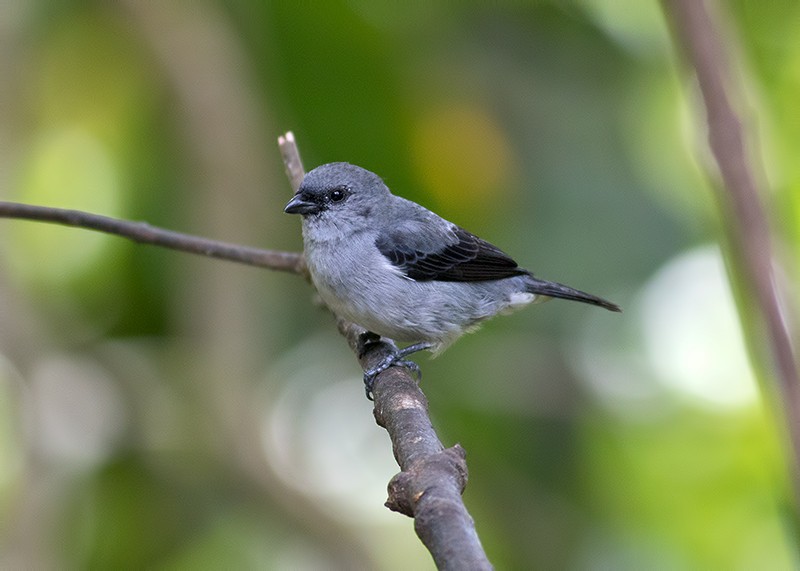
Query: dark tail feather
553, 289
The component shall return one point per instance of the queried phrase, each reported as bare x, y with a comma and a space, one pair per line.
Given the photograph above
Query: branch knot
436, 478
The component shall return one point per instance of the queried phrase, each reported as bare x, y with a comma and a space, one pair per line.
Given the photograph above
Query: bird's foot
396, 358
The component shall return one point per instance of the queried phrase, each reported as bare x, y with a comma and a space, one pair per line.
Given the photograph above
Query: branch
695, 30
143, 233
432, 478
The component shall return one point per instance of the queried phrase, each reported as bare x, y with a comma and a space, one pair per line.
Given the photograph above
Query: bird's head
340, 190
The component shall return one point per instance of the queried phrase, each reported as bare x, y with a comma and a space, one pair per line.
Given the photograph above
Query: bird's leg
396, 357
405, 352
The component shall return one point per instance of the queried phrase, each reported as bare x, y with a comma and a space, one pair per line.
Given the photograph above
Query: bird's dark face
338, 189
312, 202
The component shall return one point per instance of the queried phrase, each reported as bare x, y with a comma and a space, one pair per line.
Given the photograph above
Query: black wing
466, 258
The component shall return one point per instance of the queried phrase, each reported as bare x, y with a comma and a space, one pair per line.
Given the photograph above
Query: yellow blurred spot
462, 155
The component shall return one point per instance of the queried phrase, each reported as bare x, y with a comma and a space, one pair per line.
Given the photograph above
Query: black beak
299, 206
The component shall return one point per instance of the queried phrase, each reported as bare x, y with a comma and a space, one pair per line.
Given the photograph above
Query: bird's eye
337, 194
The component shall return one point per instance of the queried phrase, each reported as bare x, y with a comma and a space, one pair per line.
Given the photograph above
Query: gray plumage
399, 270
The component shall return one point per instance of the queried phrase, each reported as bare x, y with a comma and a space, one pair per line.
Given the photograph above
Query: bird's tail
553, 289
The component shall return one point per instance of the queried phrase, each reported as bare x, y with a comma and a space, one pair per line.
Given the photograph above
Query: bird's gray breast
361, 284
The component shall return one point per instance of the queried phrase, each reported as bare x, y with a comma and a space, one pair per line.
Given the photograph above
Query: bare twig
291, 159
145, 234
699, 36
432, 479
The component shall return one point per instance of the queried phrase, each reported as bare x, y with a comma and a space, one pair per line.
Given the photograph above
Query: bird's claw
395, 358
411, 366
392, 360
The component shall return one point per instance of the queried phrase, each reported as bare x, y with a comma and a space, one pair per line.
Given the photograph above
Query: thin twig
700, 37
291, 159
143, 233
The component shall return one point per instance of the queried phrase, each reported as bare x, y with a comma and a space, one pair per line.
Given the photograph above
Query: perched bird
400, 271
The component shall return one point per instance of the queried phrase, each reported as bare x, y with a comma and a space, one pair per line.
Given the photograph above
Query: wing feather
465, 258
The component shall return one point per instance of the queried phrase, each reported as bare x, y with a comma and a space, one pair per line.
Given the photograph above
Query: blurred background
167, 411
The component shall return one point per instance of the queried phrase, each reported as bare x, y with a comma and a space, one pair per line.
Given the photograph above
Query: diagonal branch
699, 35
432, 477
143, 233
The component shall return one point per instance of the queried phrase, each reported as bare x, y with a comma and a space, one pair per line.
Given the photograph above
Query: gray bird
400, 271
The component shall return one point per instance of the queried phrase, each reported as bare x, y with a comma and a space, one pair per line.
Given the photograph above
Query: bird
402, 272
